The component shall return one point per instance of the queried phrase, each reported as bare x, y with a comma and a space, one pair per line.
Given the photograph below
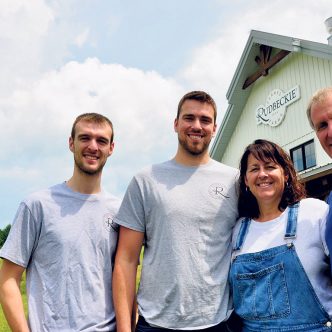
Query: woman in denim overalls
279, 276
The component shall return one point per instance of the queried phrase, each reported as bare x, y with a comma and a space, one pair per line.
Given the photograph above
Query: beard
85, 170
192, 149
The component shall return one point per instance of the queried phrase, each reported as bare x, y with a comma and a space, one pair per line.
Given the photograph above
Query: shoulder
313, 203
52, 196
112, 200
224, 175
33, 205
313, 210
149, 172
40, 196
224, 168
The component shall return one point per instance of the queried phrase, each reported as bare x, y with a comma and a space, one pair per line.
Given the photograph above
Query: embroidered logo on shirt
218, 191
109, 224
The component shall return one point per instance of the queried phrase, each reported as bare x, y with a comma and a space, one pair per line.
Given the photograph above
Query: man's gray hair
318, 97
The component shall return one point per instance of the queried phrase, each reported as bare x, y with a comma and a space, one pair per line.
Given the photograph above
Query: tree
3, 234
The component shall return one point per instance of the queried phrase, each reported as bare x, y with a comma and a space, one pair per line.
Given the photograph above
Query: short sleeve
22, 238
131, 213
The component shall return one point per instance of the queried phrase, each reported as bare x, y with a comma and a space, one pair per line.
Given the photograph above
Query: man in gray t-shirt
184, 211
65, 239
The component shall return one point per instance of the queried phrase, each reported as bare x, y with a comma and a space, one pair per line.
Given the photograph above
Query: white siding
296, 69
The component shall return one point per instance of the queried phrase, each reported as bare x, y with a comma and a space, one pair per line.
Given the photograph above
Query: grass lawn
3, 323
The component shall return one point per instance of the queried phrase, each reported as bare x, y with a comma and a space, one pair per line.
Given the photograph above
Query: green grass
3, 323
139, 268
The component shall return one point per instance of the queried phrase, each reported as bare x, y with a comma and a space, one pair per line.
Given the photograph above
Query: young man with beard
184, 209
65, 239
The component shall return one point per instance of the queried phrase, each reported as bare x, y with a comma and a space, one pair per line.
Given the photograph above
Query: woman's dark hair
266, 151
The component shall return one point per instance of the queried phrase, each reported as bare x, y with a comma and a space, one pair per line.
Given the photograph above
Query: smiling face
195, 128
91, 146
321, 117
266, 181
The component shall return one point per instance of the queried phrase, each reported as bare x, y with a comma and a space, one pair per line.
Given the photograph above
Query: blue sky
132, 61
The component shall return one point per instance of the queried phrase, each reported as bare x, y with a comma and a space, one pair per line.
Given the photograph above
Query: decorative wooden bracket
265, 63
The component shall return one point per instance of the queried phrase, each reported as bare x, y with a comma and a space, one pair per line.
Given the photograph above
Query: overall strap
242, 233
292, 221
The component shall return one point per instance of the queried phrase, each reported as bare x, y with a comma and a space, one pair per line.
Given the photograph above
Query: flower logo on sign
277, 101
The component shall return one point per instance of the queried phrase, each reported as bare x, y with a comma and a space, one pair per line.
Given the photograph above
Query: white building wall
310, 74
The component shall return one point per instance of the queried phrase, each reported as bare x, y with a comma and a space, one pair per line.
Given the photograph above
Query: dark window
303, 156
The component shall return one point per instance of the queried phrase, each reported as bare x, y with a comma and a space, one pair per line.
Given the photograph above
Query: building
268, 97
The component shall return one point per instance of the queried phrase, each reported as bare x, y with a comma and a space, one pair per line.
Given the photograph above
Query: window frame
301, 147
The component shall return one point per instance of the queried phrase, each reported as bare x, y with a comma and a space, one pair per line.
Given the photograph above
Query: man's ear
176, 125
111, 149
71, 144
214, 130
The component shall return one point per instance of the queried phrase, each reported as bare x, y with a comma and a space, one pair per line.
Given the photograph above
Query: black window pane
309, 152
297, 159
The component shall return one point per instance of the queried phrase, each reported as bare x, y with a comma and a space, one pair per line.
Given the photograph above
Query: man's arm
124, 276
10, 296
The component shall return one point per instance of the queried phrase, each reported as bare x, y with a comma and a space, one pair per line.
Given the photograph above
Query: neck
84, 183
268, 212
188, 159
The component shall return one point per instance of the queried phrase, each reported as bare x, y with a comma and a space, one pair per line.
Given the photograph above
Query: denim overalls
271, 290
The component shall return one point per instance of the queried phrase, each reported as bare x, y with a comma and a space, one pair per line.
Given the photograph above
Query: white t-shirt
309, 243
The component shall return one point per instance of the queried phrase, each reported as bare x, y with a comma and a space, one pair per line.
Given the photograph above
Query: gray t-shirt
187, 215
66, 241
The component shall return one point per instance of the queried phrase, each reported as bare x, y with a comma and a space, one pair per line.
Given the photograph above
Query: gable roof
237, 96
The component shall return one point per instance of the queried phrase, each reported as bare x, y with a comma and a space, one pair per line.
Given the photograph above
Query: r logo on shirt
218, 191
109, 224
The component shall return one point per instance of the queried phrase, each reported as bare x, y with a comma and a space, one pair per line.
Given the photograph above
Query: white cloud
23, 20
23, 25
82, 38
212, 65
36, 121
41, 94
